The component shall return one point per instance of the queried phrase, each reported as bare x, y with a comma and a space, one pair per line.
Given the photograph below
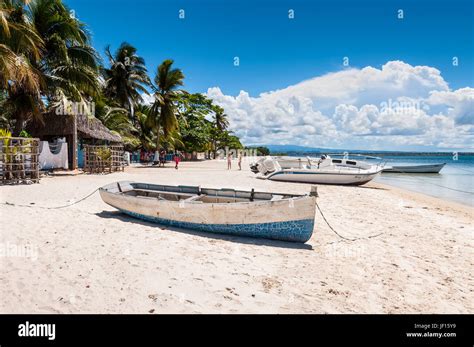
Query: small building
78, 130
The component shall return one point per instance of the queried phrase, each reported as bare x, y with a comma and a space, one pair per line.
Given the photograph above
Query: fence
99, 159
19, 160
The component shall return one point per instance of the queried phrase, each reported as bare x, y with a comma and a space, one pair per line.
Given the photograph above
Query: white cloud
147, 99
394, 107
459, 103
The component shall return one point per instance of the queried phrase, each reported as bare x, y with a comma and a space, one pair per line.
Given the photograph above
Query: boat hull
322, 178
415, 168
285, 220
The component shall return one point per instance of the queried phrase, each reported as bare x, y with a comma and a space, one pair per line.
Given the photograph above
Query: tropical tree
18, 42
146, 134
126, 78
164, 107
220, 118
117, 119
53, 57
70, 63
46, 58
219, 133
194, 126
20, 45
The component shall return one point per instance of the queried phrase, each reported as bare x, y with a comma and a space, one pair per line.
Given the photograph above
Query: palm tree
220, 123
126, 78
20, 44
220, 118
18, 41
51, 54
145, 123
163, 109
70, 64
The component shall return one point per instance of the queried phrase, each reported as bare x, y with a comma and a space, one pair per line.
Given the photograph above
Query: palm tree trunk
131, 108
157, 152
18, 125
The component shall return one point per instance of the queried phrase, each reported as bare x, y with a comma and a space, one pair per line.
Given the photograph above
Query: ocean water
455, 182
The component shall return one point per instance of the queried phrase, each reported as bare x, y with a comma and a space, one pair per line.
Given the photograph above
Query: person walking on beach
229, 161
149, 157
177, 159
240, 161
162, 158
159, 158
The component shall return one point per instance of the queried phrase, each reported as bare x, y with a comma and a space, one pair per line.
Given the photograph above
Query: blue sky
275, 51
291, 86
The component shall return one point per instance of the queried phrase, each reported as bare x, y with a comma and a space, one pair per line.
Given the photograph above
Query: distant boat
434, 168
323, 171
285, 217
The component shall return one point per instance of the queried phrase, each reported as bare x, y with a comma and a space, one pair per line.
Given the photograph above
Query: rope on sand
50, 208
89, 195
341, 236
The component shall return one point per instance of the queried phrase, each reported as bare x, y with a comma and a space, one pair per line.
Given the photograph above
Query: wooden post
74, 144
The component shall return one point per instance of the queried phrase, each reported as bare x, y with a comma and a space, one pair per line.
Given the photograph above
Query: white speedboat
287, 162
323, 171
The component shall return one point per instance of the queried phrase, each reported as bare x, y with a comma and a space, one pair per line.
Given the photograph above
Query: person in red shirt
177, 159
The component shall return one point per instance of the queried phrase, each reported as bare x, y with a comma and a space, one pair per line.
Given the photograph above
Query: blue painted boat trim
294, 231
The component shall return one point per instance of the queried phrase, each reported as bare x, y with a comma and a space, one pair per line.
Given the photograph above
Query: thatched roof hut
74, 128
63, 125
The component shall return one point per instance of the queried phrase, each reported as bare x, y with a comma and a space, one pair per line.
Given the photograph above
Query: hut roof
93, 128
62, 125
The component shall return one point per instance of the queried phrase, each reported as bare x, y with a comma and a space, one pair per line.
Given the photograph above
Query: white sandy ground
88, 258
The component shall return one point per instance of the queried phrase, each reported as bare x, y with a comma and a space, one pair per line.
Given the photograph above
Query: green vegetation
47, 60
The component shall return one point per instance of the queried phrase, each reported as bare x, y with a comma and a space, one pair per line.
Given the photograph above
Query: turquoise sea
455, 181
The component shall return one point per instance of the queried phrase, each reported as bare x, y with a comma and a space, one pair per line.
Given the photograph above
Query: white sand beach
89, 258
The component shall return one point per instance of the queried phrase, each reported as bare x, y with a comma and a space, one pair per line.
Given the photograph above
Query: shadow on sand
368, 187
237, 239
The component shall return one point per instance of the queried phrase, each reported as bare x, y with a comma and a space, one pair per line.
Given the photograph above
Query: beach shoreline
413, 252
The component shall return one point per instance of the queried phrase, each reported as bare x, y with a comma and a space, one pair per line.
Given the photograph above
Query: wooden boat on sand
283, 217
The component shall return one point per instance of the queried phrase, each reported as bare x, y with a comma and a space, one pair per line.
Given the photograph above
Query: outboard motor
265, 166
254, 166
268, 165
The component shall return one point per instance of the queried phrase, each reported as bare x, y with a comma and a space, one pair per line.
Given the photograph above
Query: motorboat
325, 170
430, 168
